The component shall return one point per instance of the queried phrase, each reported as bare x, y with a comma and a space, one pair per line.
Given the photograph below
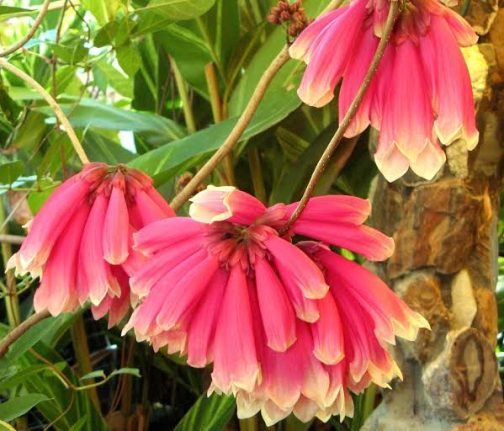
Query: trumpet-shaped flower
421, 93
80, 241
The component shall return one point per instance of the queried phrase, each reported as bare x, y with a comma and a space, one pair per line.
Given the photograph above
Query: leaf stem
237, 131
184, 96
60, 115
29, 35
333, 143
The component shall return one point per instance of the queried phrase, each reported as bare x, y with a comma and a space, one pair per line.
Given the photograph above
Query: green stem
81, 348
184, 96
11, 296
369, 402
256, 173
249, 424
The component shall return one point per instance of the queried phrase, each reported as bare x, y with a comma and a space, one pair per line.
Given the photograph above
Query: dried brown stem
29, 35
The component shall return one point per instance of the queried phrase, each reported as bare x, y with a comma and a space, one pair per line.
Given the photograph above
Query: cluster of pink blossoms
289, 327
80, 241
421, 92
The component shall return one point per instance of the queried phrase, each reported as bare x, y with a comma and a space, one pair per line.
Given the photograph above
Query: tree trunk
445, 264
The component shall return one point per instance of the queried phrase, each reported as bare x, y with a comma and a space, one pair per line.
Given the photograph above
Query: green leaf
46, 329
20, 376
129, 59
130, 371
103, 11
177, 10
96, 374
16, 407
91, 113
165, 161
7, 12
11, 171
208, 414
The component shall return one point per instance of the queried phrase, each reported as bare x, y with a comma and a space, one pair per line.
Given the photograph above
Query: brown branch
237, 131
12, 239
60, 115
29, 35
18, 331
326, 156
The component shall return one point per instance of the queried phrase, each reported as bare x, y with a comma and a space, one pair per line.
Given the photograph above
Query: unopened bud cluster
292, 14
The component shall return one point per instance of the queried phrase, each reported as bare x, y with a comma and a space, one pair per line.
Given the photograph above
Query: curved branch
29, 35
326, 156
237, 131
19, 330
53, 104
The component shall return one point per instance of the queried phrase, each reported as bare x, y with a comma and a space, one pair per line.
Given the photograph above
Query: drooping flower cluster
80, 241
421, 92
288, 327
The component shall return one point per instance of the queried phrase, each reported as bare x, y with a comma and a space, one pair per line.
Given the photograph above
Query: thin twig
60, 115
18, 331
243, 122
12, 239
29, 35
237, 131
326, 156
184, 96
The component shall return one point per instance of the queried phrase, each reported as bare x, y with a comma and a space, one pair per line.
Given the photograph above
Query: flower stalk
345, 123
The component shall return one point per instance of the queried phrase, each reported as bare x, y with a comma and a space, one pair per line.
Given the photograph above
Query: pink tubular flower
224, 286
80, 241
421, 92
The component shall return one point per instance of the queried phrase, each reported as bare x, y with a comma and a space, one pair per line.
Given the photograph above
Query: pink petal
276, 311
352, 81
160, 202
292, 263
159, 264
389, 160
180, 300
333, 209
429, 161
202, 326
58, 289
147, 209
304, 44
452, 98
50, 221
165, 233
363, 239
116, 228
95, 277
327, 333
462, 31
407, 112
235, 359
330, 54
225, 203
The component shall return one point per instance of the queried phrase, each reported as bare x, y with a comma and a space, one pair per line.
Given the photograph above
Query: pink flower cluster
80, 241
289, 327
421, 93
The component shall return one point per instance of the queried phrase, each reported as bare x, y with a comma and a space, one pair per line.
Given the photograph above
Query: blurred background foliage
158, 85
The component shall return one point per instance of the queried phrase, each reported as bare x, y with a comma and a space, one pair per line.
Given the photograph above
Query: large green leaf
165, 161
177, 10
18, 406
89, 113
208, 414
